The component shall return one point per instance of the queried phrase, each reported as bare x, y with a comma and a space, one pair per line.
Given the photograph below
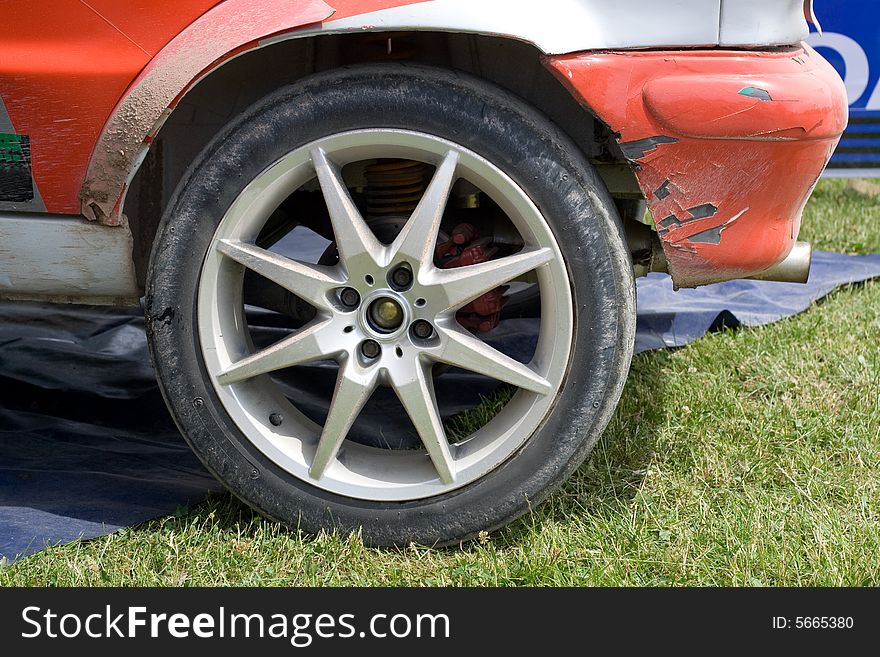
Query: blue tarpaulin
87, 447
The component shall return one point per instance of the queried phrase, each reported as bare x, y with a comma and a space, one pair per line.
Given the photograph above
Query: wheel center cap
386, 314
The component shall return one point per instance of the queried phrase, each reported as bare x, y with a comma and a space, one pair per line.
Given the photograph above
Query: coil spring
394, 187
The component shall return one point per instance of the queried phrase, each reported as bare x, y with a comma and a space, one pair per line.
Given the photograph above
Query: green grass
750, 457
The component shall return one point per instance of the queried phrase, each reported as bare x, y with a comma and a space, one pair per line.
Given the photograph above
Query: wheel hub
385, 314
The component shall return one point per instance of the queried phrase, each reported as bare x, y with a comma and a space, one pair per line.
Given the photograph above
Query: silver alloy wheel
322, 456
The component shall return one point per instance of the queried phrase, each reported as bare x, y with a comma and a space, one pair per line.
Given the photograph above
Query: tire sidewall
498, 127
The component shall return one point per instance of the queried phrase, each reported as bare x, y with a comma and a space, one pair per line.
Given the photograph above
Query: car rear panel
726, 145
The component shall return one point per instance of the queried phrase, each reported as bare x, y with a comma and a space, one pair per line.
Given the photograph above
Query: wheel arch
205, 106
233, 27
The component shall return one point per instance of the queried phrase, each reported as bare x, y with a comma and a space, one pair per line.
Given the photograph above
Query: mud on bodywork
726, 146
228, 30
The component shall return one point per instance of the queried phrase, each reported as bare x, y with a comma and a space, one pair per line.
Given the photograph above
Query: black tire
502, 129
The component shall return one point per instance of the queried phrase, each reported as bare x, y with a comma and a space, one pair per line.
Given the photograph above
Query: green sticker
16, 184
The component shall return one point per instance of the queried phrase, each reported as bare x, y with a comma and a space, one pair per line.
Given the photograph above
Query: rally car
386, 249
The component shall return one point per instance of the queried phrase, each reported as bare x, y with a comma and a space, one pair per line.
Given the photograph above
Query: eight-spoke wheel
403, 302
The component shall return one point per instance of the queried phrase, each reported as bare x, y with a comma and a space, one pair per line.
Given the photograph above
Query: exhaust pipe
794, 269
648, 255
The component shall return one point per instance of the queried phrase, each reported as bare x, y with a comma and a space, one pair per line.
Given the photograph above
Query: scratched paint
68, 76
663, 190
755, 92
713, 235
702, 150
638, 148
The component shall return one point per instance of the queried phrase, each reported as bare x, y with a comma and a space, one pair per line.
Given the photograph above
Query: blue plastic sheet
87, 447
670, 318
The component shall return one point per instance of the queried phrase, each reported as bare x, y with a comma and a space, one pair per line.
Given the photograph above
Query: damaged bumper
726, 146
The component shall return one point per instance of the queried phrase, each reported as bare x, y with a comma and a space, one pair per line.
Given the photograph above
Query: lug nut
370, 349
422, 329
350, 297
402, 278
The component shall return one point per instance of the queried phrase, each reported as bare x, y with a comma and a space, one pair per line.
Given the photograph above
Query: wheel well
213, 102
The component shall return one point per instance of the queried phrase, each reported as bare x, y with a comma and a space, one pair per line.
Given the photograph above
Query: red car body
160, 149
725, 172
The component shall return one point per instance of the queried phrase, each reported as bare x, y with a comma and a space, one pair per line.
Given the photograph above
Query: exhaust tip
795, 268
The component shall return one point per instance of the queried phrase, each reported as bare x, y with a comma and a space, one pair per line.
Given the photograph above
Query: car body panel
63, 68
147, 23
57, 87
217, 36
726, 146
762, 22
566, 26
59, 258
555, 26
86, 87
72, 104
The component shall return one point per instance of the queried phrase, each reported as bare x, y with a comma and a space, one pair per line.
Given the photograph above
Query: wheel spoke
302, 347
463, 350
464, 284
418, 237
353, 389
354, 238
417, 397
311, 283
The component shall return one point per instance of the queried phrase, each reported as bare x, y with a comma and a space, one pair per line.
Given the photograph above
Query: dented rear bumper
726, 146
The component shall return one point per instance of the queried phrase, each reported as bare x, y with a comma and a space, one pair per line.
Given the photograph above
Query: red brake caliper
464, 247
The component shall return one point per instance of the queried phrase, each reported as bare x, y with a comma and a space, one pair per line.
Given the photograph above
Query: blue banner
850, 40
